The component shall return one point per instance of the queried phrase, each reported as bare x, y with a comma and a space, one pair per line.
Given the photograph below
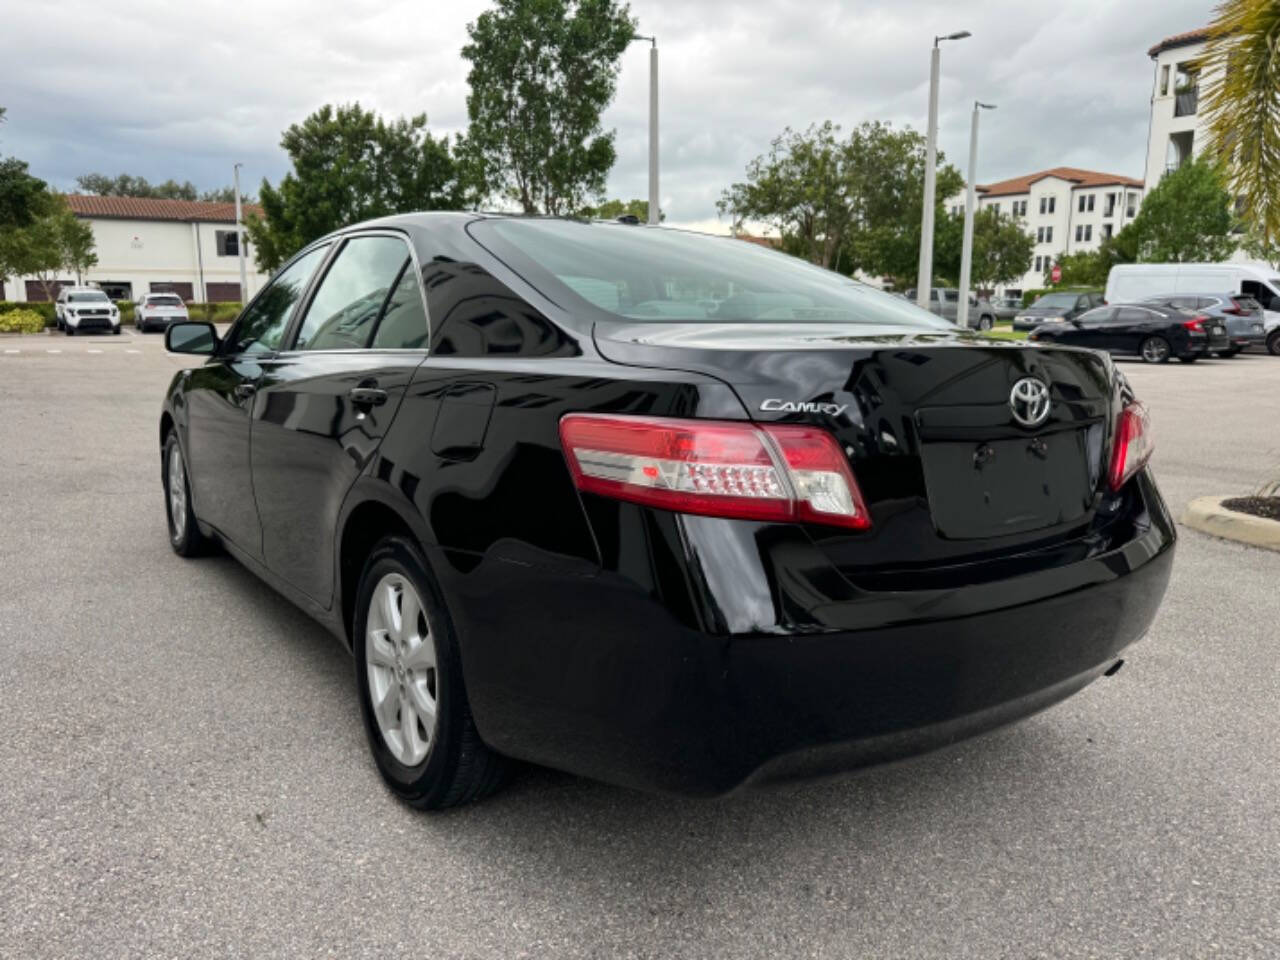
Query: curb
1207, 515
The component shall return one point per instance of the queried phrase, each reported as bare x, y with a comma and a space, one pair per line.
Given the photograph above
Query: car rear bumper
592, 675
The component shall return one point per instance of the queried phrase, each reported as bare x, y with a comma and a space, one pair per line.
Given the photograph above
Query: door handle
245, 390
367, 396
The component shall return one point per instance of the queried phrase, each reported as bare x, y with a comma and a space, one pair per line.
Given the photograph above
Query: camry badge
804, 406
1029, 401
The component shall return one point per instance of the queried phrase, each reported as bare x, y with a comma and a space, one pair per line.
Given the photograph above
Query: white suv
159, 310
85, 309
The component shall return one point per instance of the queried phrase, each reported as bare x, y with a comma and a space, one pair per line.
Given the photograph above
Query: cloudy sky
163, 89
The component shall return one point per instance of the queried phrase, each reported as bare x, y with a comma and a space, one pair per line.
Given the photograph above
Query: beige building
148, 246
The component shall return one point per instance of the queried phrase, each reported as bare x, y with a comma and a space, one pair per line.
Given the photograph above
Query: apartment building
1177, 131
1066, 209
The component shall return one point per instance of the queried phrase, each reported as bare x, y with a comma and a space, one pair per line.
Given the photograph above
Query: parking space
186, 772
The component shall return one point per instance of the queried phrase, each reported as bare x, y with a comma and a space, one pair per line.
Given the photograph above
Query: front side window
656, 275
349, 299
1101, 315
262, 325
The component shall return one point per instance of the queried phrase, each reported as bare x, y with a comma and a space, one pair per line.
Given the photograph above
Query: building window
1038, 267
227, 243
1052, 203
1048, 231
1106, 231
1044, 205
1091, 196
1081, 207
1079, 233
1164, 80
1088, 232
996, 207
1039, 234
1111, 205
1130, 204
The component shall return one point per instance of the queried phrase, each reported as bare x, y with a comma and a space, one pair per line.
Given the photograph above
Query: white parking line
132, 351
53, 351
13, 351
95, 351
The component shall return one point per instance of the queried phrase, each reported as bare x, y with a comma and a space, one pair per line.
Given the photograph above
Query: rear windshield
166, 301
1063, 300
92, 296
656, 275
1248, 303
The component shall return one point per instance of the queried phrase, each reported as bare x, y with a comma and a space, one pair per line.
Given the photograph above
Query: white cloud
184, 90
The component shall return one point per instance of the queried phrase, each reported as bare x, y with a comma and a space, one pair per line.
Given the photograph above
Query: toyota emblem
1029, 401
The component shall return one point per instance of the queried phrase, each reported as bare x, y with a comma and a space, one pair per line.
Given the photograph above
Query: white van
1138, 281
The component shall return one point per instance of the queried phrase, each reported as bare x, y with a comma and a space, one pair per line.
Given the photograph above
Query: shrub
126, 312
44, 309
21, 321
214, 312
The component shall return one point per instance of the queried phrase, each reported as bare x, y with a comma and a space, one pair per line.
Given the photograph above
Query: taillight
715, 468
1133, 444
1196, 323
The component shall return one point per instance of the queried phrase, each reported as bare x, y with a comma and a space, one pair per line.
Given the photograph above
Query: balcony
1186, 101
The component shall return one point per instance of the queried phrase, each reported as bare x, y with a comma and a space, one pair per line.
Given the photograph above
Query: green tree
225, 194
1242, 104
1002, 248
125, 185
52, 243
542, 72
22, 196
845, 203
350, 165
1085, 268
75, 238
613, 209
1186, 218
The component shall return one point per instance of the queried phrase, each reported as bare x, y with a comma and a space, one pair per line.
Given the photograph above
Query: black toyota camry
665, 509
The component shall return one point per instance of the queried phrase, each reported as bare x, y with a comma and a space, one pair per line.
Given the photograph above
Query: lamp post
966, 248
244, 284
653, 126
925, 279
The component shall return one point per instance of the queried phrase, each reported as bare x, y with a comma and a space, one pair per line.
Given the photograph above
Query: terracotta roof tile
1180, 40
1078, 178
146, 208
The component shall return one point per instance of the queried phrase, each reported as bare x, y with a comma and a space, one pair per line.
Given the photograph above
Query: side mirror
191, 337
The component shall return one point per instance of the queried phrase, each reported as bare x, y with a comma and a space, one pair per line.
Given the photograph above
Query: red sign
1056, 274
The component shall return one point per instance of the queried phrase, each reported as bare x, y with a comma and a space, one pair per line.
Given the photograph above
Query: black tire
71, 331
1273, 343
985, 323
1155, 350
1188, 359
186, 538
458, 767
116, 331
1227, 354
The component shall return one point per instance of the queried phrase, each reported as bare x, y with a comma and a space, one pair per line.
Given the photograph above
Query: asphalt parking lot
183, 772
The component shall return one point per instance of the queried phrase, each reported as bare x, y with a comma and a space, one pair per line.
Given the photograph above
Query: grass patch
1006, 333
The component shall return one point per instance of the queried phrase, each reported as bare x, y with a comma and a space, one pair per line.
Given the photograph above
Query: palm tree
1242, 102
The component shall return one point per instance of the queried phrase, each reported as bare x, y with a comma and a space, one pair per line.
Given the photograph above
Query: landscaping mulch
1265, 507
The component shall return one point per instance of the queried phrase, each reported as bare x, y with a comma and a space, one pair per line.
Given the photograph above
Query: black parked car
1152, 331
1242, 315
664, 509
1056, 307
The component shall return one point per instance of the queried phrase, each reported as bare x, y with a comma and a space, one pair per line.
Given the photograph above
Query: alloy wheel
1155, 350
401, 656
177, 491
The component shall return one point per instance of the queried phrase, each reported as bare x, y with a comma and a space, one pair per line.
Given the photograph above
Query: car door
1087, 330
1132, 325
324, 404
219, 397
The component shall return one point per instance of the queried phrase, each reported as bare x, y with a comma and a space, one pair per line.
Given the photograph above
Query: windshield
658, 275
94, 296
169, 301
1060, 301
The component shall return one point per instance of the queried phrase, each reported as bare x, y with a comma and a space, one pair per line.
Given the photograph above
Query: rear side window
1134, 315
404, 321
346, 306
661, 275
1100, 315
263, 324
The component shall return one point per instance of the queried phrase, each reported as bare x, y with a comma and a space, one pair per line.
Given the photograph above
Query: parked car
158, 310
1243, 316
1055, 307
1137, 281
792, 531
85, 310
945, 302
1151, 331
1006, 308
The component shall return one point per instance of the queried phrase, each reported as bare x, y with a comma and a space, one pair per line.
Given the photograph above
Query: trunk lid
926, 420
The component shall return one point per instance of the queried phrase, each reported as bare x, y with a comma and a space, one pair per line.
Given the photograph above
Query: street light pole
244, 284
966, 248
925, 279
653, 126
